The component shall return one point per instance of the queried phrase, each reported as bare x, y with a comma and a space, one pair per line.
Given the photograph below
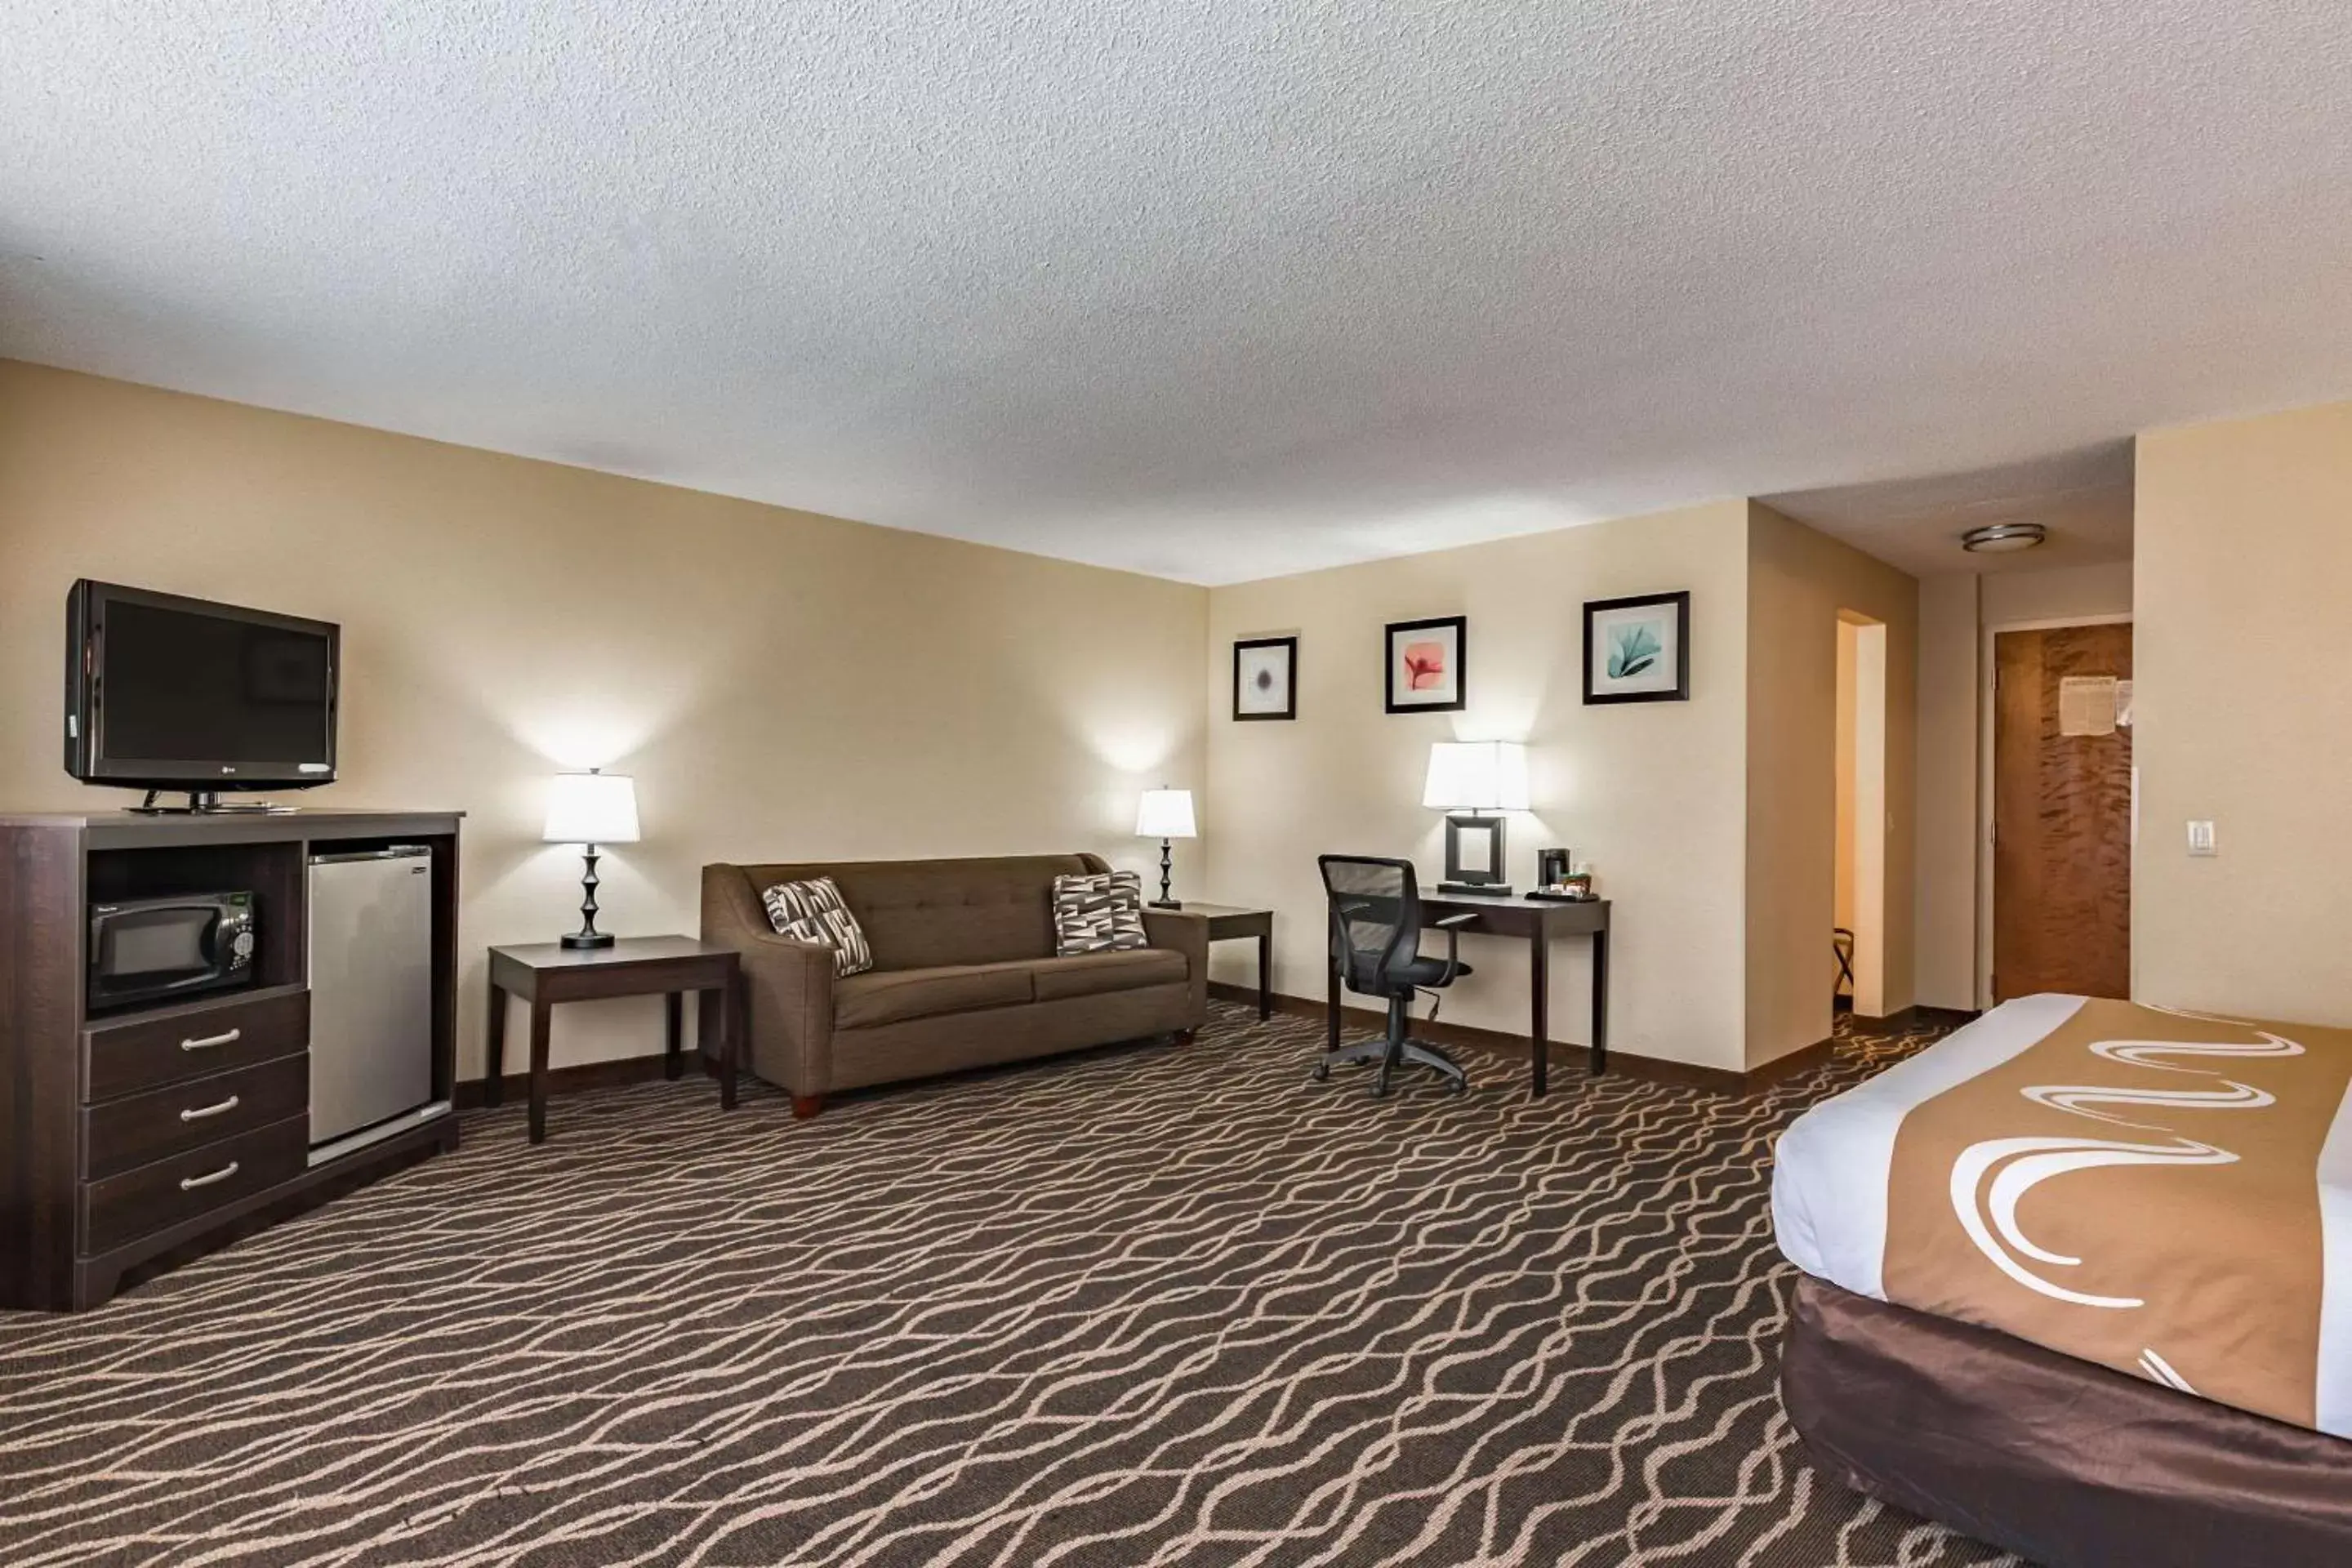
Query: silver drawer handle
190, 1184
198, 1115
209, 1041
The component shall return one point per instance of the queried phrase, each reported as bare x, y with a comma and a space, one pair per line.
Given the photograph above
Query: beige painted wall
2242, 665
1847, 677
1871, 825
1651, 793
2068, 592
1946, 868
1799, 581
783, 686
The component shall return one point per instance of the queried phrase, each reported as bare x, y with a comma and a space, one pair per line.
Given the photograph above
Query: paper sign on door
2086, 705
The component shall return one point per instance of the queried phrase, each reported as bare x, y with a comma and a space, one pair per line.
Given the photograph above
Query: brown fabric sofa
964, 973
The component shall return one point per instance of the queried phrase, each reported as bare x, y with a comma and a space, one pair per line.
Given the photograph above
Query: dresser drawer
125, 1133
128, 1206
150, 1050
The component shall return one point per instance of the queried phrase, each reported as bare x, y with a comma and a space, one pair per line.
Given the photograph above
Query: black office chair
1375, 948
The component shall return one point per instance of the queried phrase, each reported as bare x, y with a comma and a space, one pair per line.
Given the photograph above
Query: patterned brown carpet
1149, 1306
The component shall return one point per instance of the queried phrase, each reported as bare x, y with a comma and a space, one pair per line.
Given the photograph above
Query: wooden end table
1231, 922
544, 974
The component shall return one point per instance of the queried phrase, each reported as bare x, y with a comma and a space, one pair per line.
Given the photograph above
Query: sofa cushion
1101, 913
814, 911
894, 996
1095, 973
924, 914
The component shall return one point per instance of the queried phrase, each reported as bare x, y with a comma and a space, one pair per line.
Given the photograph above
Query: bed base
2067, 1464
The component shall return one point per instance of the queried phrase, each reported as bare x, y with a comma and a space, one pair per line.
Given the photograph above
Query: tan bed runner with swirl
2139, 1189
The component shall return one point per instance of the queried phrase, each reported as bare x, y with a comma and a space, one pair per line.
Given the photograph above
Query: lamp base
588, 936
1164, 903
1476, 889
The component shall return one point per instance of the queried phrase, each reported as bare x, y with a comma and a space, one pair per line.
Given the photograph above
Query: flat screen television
169, 693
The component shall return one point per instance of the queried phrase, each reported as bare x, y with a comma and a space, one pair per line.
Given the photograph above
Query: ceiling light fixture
2000, 538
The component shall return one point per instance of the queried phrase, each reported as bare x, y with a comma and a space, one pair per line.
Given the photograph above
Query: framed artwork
1265, 678
1428, 665
1637, 649
1474, 854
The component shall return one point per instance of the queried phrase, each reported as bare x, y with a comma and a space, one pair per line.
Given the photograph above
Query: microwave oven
152, 950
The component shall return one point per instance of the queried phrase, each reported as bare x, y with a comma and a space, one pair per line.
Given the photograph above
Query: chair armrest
787, 987
1452, 926
1188, 933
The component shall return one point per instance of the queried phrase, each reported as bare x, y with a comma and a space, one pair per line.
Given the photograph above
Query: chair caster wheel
1322, 1071
1461, 1086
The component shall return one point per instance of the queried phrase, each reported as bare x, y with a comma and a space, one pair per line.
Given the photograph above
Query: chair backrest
1375, 917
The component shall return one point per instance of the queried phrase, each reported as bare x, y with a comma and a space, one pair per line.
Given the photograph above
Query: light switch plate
2201, 839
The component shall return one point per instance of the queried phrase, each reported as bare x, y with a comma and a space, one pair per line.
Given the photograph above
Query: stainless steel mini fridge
371, 995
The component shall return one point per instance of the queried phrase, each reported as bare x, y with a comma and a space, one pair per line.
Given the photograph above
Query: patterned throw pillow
1099, 914
814, 911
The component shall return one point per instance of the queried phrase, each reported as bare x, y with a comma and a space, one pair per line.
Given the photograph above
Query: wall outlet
2201, 839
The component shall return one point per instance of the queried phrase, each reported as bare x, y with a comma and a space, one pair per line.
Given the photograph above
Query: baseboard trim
1566, 1057
473, 1092
1767, 1074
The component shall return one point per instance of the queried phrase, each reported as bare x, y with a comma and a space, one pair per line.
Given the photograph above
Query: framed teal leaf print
1637, 649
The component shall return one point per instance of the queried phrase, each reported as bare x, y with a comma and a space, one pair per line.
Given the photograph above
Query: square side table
544, 974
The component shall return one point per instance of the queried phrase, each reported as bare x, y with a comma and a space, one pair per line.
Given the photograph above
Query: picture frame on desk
1475, 853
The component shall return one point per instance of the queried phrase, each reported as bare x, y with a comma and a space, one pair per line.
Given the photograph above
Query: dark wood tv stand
106, 1175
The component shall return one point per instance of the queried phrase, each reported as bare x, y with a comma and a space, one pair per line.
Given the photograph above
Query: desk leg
1539, 1010
1265, 977
1331, 1005
1600, 1003
673, 1040
494, 1091
540, 1010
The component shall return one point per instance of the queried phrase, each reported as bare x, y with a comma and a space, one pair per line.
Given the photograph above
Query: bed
2078, 1281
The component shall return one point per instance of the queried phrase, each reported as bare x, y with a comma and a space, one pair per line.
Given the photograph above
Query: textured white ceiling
1204, 288
2083, 500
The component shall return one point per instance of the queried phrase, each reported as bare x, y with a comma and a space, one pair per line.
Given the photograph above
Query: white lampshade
592, 808
1165, 814
1476, 775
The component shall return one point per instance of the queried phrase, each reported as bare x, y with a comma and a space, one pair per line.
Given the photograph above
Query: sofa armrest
1187, 933
787, 986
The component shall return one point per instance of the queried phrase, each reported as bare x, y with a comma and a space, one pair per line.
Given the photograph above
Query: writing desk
1537, 921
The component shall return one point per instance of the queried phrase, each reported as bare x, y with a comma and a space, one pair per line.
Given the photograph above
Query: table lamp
589, 809
1165, 814
1468, 779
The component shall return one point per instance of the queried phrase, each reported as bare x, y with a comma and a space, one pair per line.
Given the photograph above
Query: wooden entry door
2061, 818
